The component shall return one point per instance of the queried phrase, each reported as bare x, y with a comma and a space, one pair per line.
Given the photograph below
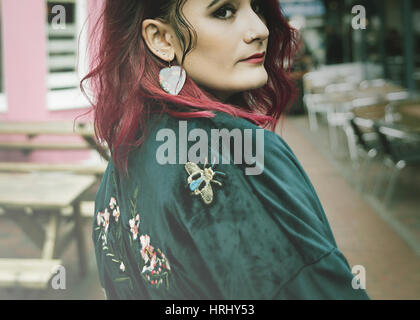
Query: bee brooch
199, 180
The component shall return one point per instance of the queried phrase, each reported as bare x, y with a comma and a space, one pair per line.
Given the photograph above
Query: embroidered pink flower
155, 267
134, 226
146, 248
102, 219
145, 241
106, 219
112, 203
116, 213
151, 266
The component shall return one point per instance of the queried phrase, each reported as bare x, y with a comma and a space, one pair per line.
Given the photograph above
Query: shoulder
225, 140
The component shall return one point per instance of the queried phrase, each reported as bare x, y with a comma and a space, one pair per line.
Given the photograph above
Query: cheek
215, 49
214, 57
207, 63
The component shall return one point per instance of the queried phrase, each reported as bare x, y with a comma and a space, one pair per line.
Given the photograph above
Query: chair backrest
375, 83
317, 102
361, 127
398, 96
314, 82
398, 144
367, 101
340, 87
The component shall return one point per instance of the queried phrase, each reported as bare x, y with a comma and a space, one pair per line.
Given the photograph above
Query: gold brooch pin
199, 180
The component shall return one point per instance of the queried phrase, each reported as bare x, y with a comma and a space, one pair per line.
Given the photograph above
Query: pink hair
124, 78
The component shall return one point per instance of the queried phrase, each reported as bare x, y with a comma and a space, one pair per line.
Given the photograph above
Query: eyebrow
213, 3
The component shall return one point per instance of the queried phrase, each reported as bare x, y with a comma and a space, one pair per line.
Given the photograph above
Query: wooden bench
30, 130
26, 146
27, 273
59, 128
97, 170
34, 201
87, 210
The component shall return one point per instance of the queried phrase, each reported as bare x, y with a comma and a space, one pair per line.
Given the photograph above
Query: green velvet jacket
261, 236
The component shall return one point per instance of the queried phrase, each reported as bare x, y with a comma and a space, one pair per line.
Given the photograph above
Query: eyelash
229, 7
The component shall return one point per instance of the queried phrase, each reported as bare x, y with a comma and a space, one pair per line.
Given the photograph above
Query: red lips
255, 56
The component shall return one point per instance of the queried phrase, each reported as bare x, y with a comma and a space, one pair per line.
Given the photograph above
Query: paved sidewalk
392, 266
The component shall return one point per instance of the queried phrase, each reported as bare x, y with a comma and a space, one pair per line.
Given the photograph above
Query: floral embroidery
154, 266
112, 203
134, 226
116, 214
116, 210
103, 219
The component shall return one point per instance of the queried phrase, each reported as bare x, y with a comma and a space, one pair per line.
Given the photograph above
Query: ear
158, 36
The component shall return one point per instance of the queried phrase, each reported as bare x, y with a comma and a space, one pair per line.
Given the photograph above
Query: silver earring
172, 79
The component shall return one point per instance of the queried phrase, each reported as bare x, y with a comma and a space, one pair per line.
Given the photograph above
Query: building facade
44, 54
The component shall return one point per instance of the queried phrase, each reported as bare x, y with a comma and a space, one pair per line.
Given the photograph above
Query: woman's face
228, 31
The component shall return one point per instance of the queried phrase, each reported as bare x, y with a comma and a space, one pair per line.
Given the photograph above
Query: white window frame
65, 99
3, 102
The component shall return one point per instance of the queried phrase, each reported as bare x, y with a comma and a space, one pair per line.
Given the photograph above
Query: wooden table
27, 198
47, 127
32, 129
406, 117
343, 101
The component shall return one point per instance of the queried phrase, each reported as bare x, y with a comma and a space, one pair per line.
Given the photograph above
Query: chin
257, 79
259, 84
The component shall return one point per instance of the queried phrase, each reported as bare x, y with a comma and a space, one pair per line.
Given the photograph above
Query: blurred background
355, 126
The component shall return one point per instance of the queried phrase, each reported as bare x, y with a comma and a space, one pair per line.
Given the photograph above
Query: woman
172, 222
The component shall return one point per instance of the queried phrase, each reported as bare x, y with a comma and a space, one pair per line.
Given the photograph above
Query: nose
257, 29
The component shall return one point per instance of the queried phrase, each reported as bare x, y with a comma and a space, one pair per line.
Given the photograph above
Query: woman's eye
221, 12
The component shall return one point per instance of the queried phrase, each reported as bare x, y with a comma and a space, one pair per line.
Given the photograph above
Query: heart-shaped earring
172, 79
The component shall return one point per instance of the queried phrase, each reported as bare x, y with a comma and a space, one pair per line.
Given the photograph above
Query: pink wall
25, 71
25, 60
24, 57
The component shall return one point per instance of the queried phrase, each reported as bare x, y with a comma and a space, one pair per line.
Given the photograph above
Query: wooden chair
367, 145
401, 150
337, 117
